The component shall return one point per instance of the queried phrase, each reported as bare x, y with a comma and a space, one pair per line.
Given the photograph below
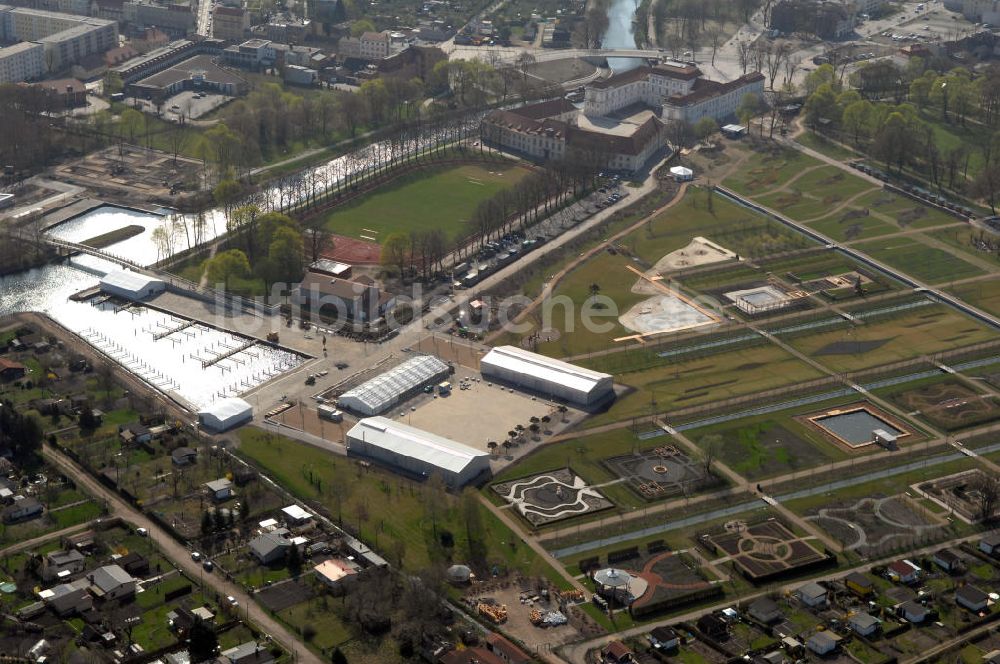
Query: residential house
21, 510
230, 23
617, 652
296, 516
134, 434
11, 370
765, 611
812, 595
62, 564
111, 582
248, 653
859, 584
971, 598
713, 627
948, 560
184, 456
220, 489
904, 571
664, 638
133, 563
823, 643
913, 612
271, 547
990, 544
82, 541
68, 598
864, 624
338, 575
506, 650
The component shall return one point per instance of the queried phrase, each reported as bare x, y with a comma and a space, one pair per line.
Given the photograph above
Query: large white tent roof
227, 409
127, 280
683, 171
544, 368
384, 390
408, 441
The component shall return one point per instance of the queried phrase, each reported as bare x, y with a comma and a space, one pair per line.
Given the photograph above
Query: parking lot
189, 104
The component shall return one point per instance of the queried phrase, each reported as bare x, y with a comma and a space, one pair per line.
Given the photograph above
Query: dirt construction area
148, 174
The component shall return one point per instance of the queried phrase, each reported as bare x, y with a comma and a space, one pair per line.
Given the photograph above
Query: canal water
180, 363
620, 34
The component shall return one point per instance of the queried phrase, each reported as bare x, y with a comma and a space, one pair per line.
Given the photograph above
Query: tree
225, 266
857, 119
285, 253
750, 107
492, 446
294, 561
362, 26
824, 75
395, 251
705, 127
822, 104
986, 488
338, 657
202, 641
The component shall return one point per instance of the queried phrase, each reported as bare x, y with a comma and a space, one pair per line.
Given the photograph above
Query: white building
387, 389
131, 285
545, 375
416, 452
65, 38
677, 89
22, 62
225, 414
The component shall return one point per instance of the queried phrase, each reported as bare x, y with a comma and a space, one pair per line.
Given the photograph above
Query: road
204, 25
179, 555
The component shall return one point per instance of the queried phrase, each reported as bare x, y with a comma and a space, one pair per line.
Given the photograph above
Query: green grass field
816, 193
923, 331
401, 515
906, 212
928, 264
442, 198
965, 240
720, 376
820, 144
982, 294
766, 170
727, 224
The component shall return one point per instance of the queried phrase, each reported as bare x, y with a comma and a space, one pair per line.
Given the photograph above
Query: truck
330, 413
444, 388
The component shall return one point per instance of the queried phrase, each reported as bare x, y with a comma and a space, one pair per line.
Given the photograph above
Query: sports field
434, 198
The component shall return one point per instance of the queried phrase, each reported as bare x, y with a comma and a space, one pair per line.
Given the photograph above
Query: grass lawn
843, 226
768, 168
816, 193
699, 214
964, 239
922, 331
705, 380
821, 144
928, 264
982, 294
441, 198
330, 629
906, 212
396, 516
773, 444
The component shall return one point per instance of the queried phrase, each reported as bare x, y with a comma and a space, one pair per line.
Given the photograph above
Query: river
620, 33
